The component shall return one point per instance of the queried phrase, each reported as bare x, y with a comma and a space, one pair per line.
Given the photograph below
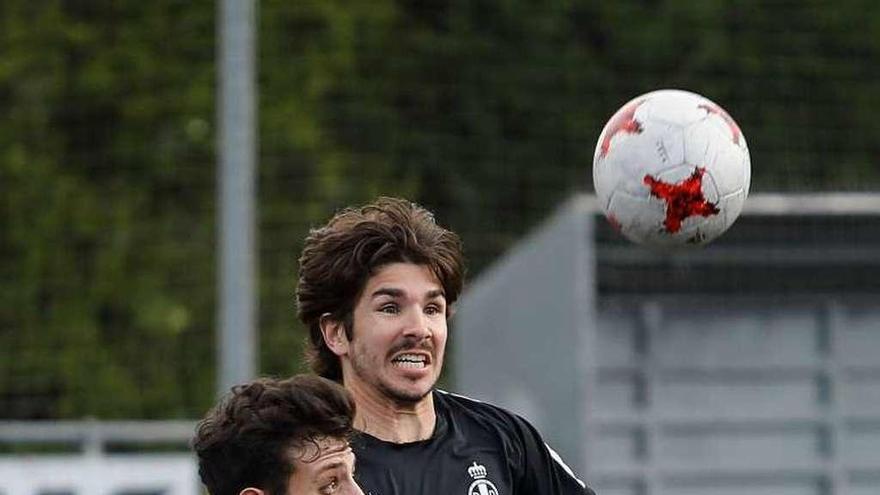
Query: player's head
278, 437
340, 259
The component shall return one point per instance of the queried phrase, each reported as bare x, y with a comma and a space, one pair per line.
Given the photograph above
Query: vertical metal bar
236, 188
586, 324
835, 425
652, 316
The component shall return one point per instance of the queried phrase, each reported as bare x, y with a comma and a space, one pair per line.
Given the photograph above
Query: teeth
409, 364
410, 361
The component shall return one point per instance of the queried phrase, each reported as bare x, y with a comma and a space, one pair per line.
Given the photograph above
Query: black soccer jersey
476, 449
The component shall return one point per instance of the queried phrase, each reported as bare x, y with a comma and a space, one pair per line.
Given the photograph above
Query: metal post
236, 177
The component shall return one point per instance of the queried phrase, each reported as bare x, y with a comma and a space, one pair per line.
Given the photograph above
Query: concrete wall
700, 382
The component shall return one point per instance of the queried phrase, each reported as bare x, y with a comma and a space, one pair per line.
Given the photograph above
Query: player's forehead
321, 450
317, 463
403, 280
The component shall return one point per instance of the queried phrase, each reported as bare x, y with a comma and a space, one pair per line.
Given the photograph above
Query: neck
390, 420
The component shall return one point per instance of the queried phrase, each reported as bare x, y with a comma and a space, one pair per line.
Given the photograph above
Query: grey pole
236, 356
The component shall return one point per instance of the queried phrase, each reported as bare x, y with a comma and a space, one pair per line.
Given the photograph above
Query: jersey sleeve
541, 470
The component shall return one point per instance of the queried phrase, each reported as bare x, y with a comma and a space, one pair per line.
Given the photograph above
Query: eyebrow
333, 465
387, 291
394, 292
436, 293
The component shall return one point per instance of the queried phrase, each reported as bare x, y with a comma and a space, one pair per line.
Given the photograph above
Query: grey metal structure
236, 177
97, 457
94, 437
751, 365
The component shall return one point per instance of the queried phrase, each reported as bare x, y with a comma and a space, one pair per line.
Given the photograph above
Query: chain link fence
486, 112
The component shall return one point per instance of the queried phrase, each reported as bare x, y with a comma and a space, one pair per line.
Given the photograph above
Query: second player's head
279, 437
374, 280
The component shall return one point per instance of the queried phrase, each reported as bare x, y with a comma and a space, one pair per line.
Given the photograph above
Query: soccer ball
671, 168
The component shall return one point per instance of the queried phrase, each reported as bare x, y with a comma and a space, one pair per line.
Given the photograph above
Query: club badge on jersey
481, 484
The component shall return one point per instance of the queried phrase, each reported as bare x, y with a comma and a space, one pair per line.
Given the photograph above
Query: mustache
410, 343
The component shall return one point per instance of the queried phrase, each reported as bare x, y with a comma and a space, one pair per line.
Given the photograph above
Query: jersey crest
481, 485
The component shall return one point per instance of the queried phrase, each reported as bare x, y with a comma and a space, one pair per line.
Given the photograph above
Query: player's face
399, 333
322, 470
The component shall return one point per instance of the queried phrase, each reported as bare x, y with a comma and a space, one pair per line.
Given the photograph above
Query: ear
334, 334
251, 491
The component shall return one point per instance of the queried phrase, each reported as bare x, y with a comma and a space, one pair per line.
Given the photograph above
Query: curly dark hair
338, 259
248, 438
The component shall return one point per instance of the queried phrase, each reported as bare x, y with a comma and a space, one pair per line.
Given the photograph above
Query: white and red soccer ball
671, 168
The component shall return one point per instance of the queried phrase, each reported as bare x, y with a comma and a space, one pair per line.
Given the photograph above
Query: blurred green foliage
107, 171
486, 111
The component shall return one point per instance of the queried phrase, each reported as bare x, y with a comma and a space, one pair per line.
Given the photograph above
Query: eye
433, 309
330, 487
389, 308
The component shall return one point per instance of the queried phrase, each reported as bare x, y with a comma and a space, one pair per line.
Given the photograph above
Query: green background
485, 111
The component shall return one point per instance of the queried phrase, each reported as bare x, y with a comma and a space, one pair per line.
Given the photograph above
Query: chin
408, 395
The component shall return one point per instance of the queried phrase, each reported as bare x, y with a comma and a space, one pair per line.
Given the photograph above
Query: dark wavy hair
338, 259
248, 439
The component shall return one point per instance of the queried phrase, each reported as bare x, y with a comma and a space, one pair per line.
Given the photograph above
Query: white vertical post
236, 189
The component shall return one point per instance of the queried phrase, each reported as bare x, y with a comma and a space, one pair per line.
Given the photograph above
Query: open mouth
411, 360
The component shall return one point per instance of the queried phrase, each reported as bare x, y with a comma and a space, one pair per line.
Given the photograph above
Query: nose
355, 489
418, 325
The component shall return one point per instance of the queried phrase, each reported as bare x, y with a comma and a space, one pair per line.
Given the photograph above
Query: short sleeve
542, 470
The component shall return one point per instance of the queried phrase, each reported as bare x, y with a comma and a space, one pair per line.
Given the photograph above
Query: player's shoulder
465, 403
479, 411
